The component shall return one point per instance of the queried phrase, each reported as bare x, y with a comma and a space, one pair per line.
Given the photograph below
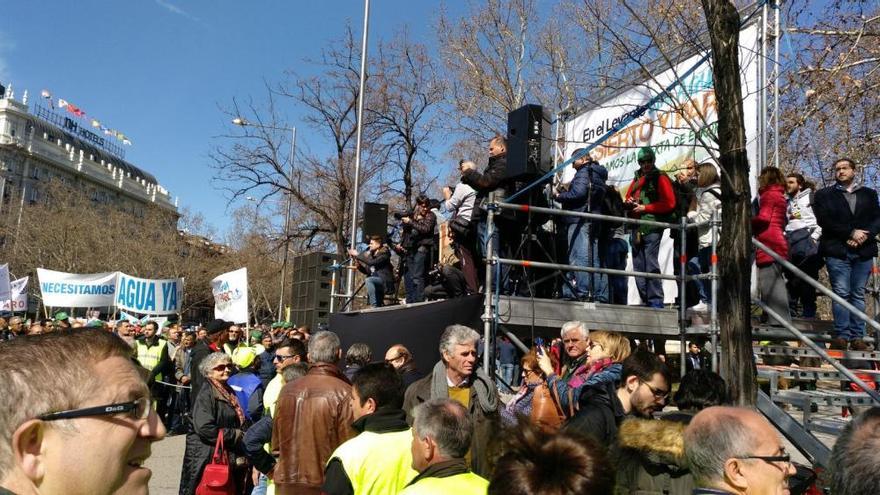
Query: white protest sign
17, 297
231, 296
72, 290
148, 296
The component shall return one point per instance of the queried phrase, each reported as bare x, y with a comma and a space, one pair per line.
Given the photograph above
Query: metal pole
349, 282
287, 224
682, 294
821, 288
776, 35
488, 312
819, 350
762, 83
713, 305
333, 289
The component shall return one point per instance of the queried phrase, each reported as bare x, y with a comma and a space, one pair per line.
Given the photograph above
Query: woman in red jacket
768, 226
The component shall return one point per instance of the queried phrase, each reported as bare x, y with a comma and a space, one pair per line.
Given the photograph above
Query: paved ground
165, 462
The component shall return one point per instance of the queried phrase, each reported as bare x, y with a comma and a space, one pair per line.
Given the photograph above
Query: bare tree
404, 105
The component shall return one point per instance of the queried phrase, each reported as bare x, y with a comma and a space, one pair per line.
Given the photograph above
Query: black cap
217, 325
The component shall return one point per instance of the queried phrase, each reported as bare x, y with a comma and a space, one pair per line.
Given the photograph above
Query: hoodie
650, 457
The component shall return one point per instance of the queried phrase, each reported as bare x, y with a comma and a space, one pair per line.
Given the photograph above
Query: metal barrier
491, 303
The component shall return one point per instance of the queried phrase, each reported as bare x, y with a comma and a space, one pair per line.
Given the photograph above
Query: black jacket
600, 413
378, 263
491, 179
199, 352
838, 221
211, 414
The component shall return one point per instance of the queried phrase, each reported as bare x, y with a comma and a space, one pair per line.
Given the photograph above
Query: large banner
147, 296
17, 296
674, 125
73, 290
231, 296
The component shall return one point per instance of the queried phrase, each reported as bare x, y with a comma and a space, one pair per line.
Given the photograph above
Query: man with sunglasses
734, 450
81, 425
456, 376
642, 391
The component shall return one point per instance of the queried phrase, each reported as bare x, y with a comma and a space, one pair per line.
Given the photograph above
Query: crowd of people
834, 227
589, 417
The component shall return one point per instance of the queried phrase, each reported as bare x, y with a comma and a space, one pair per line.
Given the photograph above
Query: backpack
612, 205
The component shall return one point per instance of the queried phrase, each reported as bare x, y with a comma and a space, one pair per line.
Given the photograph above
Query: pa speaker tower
528, 142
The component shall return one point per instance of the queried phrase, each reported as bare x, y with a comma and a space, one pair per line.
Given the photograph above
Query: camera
399, 215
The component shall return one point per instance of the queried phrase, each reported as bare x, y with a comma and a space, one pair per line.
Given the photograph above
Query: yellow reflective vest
459, 484
270, 398
149, 356
377, 463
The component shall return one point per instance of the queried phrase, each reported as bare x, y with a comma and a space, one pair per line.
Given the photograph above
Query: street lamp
239, 121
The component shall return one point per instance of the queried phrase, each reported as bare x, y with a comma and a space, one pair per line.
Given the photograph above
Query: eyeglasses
596, 344
784, 458
280, 357
222, 367
658, 393
137, 409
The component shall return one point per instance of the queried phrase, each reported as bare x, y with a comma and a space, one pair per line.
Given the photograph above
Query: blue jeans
262, 485
704, 258
375, 290
483, 234
415, 276
613, 253
848, 278
646, 259
508, 374
583, 250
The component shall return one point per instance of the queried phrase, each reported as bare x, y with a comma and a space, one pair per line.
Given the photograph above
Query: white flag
231, 296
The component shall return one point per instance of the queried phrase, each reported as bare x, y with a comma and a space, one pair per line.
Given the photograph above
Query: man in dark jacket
585, 194
650, 197
217, 334
849, 216
642, 391
492, 179
313, 418
457, 377
416, 248
375, 262
379, 459
402, 359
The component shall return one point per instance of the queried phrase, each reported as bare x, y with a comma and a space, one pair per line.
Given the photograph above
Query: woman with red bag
216, 413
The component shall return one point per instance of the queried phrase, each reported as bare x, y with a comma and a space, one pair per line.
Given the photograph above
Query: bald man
734, 450
402, 360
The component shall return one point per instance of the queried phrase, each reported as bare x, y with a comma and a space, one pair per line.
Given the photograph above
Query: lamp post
244, 123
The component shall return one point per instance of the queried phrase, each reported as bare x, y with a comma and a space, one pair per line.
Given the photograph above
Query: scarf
522, 402
226, 394
598, 366
481, 384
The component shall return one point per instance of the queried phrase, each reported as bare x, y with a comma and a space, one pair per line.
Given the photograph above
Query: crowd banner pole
821, 288
713, 305
487, 304
682, 293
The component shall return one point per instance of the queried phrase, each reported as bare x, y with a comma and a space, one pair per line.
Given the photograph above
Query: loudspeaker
375, 220
528, 142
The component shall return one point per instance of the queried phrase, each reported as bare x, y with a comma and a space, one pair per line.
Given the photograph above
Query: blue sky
159, 70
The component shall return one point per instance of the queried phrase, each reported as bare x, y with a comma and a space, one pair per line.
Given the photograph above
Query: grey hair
359, 353
446, 422
212, 360
457, 335
708, 444
574, 325
293, 372
855, 458
324, 347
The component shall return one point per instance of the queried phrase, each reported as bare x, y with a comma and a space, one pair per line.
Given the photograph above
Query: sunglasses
280, 357
136, 409
222, 367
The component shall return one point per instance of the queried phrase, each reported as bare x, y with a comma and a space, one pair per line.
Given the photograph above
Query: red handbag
216, 478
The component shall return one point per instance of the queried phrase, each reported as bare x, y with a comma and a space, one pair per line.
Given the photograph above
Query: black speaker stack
528, 142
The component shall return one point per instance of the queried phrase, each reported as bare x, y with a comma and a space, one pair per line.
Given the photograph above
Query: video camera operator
415, 247
375, 262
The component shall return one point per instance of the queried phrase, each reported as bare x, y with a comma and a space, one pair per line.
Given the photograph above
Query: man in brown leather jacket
314, 417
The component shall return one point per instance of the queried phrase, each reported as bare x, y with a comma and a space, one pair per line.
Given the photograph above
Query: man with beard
642, 391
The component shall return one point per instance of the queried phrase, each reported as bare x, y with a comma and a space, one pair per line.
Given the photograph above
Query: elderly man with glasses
81, 425
732, 450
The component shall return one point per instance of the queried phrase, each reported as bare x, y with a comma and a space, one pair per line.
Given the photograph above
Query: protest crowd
283, 410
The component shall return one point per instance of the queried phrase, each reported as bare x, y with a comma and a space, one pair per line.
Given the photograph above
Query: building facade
39, 144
